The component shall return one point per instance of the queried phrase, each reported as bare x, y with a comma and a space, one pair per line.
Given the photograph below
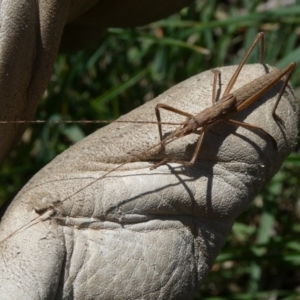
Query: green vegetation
261, 259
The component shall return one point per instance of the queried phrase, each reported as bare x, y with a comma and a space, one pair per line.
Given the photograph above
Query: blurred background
261, 259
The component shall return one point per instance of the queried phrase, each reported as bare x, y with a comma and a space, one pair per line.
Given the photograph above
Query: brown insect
230, 102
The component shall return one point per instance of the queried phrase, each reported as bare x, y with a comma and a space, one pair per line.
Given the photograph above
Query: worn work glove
76, 232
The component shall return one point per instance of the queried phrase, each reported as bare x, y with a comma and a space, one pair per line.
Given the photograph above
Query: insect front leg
259, 38
182, 162
169, 108
217, 74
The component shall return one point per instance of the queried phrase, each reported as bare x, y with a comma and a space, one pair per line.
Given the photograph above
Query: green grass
261, 259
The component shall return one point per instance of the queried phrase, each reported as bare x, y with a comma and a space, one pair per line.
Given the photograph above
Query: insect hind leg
249, 126
287, 78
